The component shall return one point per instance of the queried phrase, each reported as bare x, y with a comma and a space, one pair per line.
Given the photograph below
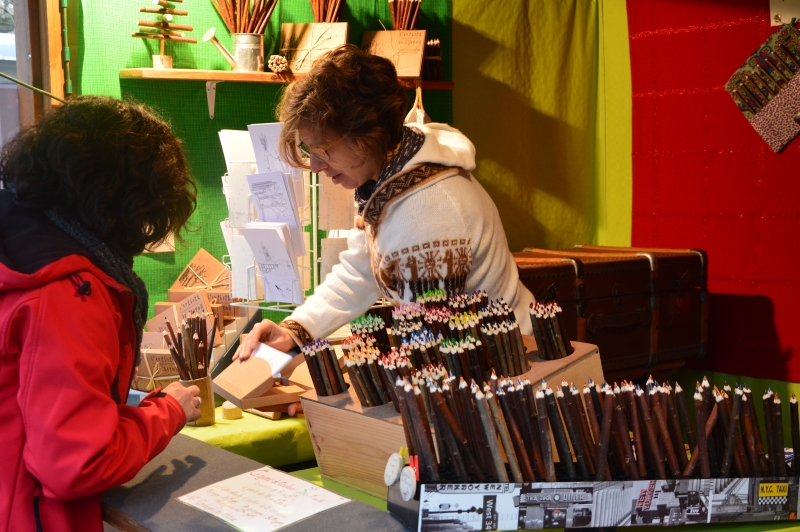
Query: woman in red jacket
86, 189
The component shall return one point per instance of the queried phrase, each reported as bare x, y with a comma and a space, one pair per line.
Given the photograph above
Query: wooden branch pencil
650, 434
622, 434
766, 401
750, 440
579, 415
505, 437
696, 454
574, 436
491, 435
605, 435
516, 438
443, 412
544, 437
627, 392
595, 426
795, 423
777, 425
683, 412
675, 427
700, 423
759, 443
532, 432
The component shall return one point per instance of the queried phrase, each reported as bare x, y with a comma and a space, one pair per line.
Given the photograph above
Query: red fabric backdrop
703, 178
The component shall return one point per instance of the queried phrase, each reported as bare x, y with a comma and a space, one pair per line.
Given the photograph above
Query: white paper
237, 193
236, 147
227, 232
271, 194
262, 500
277, 359
243, 276
264, 139
336, 205
331, 247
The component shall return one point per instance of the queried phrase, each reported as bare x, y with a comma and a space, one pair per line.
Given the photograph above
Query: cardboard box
156, 370
203, 271
352, 443
249, 383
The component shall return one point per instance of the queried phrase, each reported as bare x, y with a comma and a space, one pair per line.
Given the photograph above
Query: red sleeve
78, 440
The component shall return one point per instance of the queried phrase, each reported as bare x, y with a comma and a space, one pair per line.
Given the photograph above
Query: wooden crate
352, 443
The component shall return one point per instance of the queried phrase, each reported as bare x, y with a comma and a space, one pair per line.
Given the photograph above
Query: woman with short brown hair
424, 221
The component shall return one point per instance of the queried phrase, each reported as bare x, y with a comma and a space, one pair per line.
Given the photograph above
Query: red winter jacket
64, 357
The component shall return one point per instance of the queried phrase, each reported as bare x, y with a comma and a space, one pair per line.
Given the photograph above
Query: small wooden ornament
231, 411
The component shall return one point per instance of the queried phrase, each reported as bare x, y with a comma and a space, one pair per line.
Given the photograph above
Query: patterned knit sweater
431, 225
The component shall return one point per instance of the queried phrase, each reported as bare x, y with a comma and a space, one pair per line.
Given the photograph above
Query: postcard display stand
323, 209
352, 443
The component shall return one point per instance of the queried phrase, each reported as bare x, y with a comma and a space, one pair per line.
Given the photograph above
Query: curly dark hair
348, 94
113, 166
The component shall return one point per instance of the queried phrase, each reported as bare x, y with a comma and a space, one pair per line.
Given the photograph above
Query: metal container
248, 52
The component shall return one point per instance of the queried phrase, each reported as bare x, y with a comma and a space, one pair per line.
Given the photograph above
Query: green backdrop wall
102, 45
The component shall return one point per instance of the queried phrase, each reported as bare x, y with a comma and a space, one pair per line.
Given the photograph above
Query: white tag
277, 359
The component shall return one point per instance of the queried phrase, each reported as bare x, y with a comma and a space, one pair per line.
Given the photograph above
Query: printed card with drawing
272, 196
270, 244
302, 44
203, 271
237, 194
262, 500
243, 271
265, 145
404, 48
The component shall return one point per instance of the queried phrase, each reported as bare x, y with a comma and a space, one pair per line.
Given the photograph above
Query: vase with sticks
246, 20
164, 29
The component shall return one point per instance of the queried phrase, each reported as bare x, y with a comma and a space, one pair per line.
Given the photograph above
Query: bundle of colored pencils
432, 62
245, 16
404, 13
549, 331
323, 366
191, 347
327, 10
509, 430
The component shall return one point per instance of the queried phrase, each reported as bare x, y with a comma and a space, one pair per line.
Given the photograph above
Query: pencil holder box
352, 443
460, 507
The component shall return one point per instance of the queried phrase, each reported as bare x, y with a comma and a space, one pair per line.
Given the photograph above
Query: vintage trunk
643, 308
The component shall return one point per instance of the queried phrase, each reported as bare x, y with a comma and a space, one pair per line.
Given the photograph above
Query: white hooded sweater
429, 226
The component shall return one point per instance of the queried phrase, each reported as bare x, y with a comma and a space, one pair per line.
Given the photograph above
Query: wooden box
352, 443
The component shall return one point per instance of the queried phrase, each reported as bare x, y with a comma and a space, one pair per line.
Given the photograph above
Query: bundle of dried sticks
191, 346
509, 430
245, 16
327, 10
404, 13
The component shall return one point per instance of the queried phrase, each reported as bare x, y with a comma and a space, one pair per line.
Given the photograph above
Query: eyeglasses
307, 152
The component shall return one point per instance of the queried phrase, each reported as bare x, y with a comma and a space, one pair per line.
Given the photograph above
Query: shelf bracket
211, 96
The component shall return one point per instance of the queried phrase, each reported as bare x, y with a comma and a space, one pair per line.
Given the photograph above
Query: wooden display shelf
352, 443
185, 74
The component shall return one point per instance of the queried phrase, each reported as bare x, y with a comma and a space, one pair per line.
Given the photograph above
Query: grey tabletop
149, 501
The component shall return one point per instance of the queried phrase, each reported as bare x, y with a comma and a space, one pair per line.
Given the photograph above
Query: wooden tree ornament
164, 29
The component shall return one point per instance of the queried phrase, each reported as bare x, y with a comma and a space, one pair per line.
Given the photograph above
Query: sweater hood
33, 251
444, 145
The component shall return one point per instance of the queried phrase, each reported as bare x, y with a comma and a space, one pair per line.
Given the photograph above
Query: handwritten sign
262, 500
302, 44
405, 49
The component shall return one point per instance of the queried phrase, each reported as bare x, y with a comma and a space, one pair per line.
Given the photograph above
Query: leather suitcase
644, 308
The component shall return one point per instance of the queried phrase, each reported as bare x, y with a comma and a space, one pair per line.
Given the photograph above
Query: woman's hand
188, 398
264, 332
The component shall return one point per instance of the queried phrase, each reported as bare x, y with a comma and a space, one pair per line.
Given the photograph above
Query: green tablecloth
274, 443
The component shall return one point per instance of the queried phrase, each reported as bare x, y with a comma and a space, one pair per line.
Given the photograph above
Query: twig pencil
766, 401
709, 428
675, 427
740, 459
730, 420
605, 435
544, 437
516, 438
505, 437
700, 423
780, 456
795, 423
759, 443
426, 451
443, 412
574, 435
524, 410
560, 437
622, 434
708, 403
595, 426
358, 387
476, 436
179, 363
491, 435
579, 414
750, 440
683, 412
650, 434
633, 414
412, 438
657, 413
